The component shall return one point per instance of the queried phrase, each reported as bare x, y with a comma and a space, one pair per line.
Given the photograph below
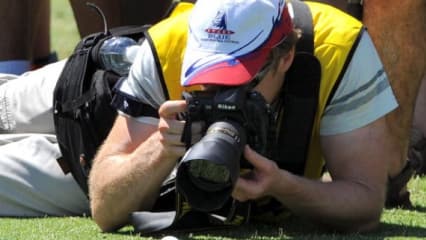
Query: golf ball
169, 238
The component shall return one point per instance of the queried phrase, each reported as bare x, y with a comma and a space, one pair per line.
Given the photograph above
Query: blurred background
64, 34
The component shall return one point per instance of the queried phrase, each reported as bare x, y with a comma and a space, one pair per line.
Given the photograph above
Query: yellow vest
168, 38
333, 41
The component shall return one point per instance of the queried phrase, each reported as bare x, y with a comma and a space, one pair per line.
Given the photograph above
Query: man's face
270, 83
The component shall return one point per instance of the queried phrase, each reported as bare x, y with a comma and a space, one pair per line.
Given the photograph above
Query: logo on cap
219, 32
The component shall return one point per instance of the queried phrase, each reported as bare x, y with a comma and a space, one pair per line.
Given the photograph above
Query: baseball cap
230, 40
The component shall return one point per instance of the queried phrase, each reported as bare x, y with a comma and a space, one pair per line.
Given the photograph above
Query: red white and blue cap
229, 40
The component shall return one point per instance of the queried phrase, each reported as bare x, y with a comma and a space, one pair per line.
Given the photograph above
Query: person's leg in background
25, 34
398, 30
399, 33
16, 37
42, 54
418, 132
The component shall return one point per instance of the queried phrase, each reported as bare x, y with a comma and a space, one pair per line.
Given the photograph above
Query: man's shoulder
333, 26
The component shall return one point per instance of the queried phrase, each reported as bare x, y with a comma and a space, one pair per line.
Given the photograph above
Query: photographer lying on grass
228, 44
266, 95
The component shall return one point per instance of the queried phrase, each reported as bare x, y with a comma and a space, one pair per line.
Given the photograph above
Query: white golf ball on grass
169, 238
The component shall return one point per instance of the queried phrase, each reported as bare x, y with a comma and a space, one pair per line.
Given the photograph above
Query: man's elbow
368, 226
367, 223
374, 218
369, 216
108, 218
362, 227
101, 221
105, 219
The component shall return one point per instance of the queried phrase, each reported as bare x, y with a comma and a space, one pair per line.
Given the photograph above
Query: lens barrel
208, 171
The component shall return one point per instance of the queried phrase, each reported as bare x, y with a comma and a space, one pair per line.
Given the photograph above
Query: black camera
234, 117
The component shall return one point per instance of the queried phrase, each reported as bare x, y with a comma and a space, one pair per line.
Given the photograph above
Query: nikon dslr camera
234, 117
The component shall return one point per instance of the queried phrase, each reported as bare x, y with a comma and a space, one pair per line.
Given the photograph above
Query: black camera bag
83, 115
82, 110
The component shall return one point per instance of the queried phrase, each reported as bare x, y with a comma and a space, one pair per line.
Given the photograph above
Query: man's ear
287, 60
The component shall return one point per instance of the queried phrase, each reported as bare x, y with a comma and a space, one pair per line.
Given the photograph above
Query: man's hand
170, 129
260, 181
136, 158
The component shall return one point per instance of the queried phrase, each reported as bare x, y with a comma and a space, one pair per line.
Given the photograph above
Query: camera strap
187, 133
299, 97
172, 213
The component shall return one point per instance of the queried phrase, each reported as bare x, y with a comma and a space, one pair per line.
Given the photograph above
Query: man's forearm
120, 183
341, 205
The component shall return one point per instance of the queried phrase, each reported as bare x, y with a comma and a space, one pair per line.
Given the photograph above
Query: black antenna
99, 11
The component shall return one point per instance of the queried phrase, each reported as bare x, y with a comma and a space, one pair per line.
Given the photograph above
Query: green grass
395, 224
64, 33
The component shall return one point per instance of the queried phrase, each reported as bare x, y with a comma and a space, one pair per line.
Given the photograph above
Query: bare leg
26, 23
41, 43
15, 46
399, 34
419, 128
15, 18
419, 121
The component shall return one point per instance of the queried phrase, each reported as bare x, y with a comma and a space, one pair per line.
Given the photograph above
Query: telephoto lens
208, 171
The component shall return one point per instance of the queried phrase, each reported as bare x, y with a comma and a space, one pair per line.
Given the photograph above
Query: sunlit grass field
395, 224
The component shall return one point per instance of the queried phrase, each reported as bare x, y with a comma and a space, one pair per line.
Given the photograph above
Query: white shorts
31, 182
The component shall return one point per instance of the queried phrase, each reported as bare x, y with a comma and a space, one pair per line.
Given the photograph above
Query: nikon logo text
227, 107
